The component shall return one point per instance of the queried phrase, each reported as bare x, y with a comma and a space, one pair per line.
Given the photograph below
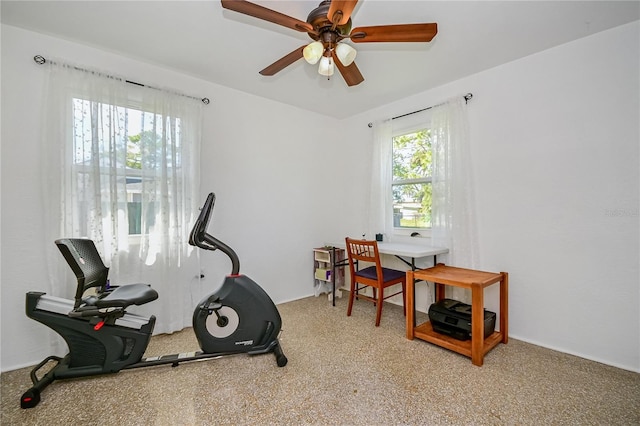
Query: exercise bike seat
82, 256
126, 295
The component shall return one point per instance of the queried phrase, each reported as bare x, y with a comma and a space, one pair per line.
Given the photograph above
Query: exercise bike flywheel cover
229, 328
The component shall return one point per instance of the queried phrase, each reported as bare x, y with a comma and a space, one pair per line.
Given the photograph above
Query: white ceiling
202, 39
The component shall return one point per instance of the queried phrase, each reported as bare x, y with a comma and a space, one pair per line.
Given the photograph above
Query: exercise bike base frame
31, 397
177, 359
142, 327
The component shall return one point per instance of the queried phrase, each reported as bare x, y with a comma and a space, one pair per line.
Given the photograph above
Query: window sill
134, 239
412, 232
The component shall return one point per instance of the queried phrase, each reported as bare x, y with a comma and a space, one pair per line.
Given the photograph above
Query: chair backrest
82, 256
365, 251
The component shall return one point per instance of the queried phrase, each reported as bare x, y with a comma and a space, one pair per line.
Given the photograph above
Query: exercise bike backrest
82, 256
86, 264
200, 238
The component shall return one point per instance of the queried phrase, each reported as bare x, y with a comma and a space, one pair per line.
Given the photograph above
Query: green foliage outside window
145, 147
412, 179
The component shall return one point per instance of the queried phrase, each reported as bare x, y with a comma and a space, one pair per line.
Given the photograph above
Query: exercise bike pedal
212, 307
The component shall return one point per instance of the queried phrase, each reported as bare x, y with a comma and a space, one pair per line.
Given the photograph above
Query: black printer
453, 318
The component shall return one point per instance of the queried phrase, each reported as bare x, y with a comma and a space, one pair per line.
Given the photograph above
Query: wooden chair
374, 276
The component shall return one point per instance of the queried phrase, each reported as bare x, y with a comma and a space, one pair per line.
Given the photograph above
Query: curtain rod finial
39, 59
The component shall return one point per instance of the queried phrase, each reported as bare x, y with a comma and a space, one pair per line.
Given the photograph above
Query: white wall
272, 167
555, 141
556, 150
276, 171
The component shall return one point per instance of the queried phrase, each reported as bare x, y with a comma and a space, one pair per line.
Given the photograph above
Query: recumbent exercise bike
104, 338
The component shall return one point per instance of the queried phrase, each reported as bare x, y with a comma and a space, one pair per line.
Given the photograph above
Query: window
411, 179
126, 144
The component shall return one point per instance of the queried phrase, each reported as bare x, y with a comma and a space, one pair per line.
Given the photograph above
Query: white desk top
406, 249
410, 250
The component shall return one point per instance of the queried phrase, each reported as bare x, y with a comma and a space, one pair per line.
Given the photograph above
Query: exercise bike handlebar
200, 238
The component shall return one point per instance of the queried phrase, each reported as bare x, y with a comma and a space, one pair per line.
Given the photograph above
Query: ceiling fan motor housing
320, 22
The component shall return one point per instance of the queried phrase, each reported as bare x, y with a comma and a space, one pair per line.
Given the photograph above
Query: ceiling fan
329, 24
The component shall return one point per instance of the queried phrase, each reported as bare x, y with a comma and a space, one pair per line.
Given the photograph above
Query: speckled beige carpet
342, 371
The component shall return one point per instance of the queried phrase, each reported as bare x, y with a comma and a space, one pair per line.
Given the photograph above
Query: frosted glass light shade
346, 54
313, 52
326, 66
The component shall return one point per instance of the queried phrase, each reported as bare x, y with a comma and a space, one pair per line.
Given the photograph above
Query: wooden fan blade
283, 62
395, 33
260, 12
344, 8
351, 74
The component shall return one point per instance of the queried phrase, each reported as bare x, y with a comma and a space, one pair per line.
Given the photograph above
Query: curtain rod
466, 98
40, 60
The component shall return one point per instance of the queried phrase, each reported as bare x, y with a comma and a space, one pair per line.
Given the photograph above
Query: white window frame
403, 126
131, 104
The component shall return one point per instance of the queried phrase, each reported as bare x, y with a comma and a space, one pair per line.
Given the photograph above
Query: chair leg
351, 296
379, 307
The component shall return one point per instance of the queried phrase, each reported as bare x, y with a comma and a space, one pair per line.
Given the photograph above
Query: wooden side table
442, 275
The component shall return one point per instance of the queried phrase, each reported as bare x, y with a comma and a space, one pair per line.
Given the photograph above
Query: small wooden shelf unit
476, 281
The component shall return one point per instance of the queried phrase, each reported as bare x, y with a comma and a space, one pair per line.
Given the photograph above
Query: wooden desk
476, 281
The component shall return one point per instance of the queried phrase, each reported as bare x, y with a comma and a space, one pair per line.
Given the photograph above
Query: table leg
333, 276
504, 307
477, 325
439, 291
410, 305
435, 294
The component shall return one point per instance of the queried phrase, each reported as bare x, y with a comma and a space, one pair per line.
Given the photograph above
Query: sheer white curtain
380, 216
453, 203
122, 169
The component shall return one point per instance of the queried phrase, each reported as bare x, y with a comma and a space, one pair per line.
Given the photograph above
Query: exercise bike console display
103, 337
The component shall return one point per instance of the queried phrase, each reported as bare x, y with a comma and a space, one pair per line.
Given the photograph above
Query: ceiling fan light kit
326, 67
328, 25
346, 54
313, 52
